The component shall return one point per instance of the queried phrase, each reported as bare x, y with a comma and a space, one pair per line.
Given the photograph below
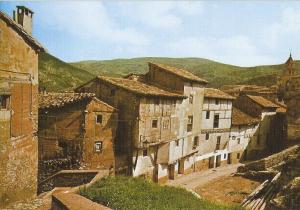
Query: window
207, 136
207, 114
225, 156
98, 146
99, 118
190, 124
154, 123
112, 92
191, 99
4, 101
196, 142
218, 142
238, 140
166, 124
217, 102
145, 152
238, 155
216, 121
177, 143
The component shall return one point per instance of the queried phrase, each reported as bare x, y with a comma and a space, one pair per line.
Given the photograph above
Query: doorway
229, 160
181, 166
211, 162
171, 171
218, 161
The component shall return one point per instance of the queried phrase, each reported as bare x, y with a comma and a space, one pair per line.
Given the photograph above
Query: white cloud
287, 27
161, 14
236, 49
89, 20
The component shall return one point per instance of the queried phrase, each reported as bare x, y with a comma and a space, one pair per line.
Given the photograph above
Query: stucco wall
18, 146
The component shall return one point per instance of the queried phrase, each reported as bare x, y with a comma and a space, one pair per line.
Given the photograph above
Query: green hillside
58, 75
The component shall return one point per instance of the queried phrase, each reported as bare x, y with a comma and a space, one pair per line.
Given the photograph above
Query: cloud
89, 20
161, 14
235, 49
284, 30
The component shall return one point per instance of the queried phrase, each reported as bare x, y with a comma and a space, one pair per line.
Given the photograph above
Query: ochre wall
18, 142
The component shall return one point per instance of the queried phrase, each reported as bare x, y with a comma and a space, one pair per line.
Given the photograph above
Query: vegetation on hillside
129, 193
58, 75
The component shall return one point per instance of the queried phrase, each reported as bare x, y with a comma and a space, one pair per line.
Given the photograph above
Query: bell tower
289, 69
23, 16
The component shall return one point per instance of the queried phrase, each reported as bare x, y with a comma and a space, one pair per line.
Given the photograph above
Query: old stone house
18, 107
147, 122
77, 126
271, 133
215, 129
243, 136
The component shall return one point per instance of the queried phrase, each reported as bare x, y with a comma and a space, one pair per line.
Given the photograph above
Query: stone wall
18, 124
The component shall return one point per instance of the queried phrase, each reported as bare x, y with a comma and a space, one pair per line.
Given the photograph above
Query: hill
58, 75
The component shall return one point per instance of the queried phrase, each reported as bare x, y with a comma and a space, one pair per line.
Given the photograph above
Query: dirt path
198, 179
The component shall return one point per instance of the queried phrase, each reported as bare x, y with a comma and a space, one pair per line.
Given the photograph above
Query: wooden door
229, 156
211, 162
218, 161
181, 166
171, 171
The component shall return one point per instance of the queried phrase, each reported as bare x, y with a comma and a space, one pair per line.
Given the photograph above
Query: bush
138, 194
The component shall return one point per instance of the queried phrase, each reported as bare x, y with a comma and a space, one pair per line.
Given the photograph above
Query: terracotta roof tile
56, 100
19, 29
215, 93
139, 87
241, 118
180, 72
263, 102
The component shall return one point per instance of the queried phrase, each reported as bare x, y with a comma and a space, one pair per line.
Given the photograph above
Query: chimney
23, 16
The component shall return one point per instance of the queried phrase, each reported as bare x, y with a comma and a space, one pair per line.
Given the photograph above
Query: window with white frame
98, 147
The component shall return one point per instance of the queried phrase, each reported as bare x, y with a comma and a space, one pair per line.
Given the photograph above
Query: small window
154, 123
177, 143
196, 142
99, 119
225, 156
217, 102
4, 101
207, 114
238, 155
191, 99
145, 152
190, 124
207, 136
112, 92
216, 121
218, 143
238, 140
98, 146
166, 124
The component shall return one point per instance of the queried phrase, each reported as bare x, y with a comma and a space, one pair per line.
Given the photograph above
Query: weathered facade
271, 133
146, 121
78, 126
289, 91
216, 123
19, 110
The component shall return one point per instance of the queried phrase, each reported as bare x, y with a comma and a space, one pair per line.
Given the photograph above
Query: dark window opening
177, 143
207, 114
218, 143
238, 156
191, 99
4, 101
217, 102
207, 136
145, 152
216, 121
99, 119
238, 140
154, 123
98, 146
190, 124
196, 142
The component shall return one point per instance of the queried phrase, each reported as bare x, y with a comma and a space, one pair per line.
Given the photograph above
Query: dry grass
227, 189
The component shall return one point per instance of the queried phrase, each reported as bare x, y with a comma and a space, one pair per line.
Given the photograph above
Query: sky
244, 33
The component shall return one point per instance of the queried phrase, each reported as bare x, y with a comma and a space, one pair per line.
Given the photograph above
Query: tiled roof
215, 93
56, 100
241, 118
180, 72
20, 30
282, 107
139, 87
263, 102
